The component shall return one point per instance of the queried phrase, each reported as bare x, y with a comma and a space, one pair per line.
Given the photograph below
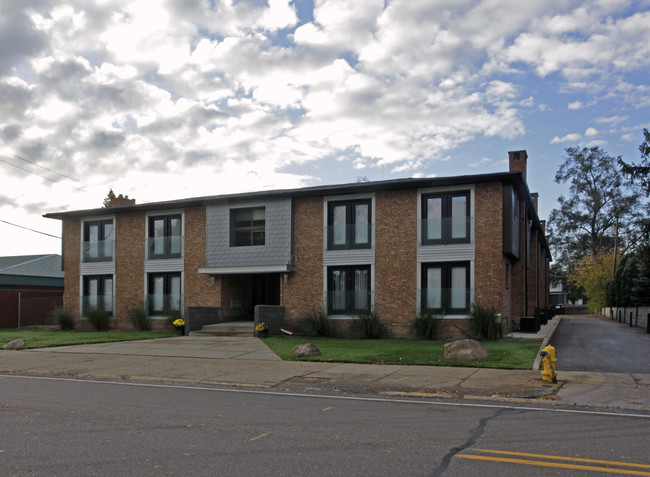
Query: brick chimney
122, 201
518, 161
542, 223
535, 199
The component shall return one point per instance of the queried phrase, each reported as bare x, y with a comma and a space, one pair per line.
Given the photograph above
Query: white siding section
447, 253
349, 257
169, 265
97, 268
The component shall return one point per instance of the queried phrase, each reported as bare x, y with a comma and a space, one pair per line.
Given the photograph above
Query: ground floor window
164, 293
348, 290
446, 287
98, 292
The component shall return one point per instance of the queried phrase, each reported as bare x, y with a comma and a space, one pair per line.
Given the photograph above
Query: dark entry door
265, 290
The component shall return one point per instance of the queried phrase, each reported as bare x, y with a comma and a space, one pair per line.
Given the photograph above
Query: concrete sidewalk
249, 362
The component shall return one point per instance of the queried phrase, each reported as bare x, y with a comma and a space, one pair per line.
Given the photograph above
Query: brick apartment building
394, 247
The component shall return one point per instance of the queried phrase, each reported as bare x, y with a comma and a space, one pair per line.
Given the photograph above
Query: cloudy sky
162, 100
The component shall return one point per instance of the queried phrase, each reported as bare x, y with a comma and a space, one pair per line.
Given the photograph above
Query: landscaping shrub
485, 323
316, 324
171, 315
368, 325
426, 325
63, 319
98, 318
138, 318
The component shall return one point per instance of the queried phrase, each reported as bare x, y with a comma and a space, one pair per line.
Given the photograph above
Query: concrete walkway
236, 361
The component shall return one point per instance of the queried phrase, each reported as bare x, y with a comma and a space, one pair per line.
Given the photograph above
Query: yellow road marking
261, 435
575, 459
402, 379
556, 465
327, 408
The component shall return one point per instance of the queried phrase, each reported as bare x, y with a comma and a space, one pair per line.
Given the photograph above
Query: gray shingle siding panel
276, 249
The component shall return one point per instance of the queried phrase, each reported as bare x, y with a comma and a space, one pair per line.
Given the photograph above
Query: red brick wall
130, 248
488, 237
71, 260
396, 241
303, 292
199, 290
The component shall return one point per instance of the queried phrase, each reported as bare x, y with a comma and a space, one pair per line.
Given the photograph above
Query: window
446, 218
348, 290
164, 293
98, 292
98, 241
445, 287
247, 227
165, 236
348, 224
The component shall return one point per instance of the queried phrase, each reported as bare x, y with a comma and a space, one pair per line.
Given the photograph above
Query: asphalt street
72, 427
601, 345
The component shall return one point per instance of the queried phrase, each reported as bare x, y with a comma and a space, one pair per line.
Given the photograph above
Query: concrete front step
236, 328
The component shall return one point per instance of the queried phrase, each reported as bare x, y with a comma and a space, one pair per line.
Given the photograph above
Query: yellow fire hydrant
548, 364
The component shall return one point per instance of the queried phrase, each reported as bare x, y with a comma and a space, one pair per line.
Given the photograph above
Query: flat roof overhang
247, 270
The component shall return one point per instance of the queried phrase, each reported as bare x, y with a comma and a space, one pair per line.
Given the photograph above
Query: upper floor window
247, 226
98, 241
446, 218
165, 236
349, 224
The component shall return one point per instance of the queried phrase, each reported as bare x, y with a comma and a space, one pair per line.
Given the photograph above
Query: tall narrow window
348, 290
164, 293
446, 287
349, 225
98, 241
165, 236
446, 218
98, 292
247, 227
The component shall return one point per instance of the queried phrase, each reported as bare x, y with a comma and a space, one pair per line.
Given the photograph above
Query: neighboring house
31, 287
393, 247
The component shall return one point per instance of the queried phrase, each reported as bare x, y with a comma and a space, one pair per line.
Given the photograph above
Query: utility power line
31, 230
40, 175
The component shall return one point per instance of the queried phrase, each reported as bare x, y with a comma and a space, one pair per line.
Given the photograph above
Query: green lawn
36, 338
506, 354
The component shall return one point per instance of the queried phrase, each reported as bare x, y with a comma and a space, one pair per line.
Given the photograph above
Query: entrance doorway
264, 290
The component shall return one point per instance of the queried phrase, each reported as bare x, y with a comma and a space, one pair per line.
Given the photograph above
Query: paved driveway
601, 345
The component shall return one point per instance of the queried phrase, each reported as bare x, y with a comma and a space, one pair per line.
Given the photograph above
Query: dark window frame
167, 234
167, 288
101, 290
350, 224
349, 289
247, 233
102, 256
445, 301
446, 216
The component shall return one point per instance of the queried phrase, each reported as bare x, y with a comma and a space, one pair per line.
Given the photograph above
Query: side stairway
234, 328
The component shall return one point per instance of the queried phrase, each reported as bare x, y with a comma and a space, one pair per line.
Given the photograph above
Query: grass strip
503, 354
35, 338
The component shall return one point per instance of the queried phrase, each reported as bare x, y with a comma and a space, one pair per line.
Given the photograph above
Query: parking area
589, 343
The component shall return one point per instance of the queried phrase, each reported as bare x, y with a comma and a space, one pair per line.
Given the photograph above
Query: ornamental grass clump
316, 323
138, 318
485, 323
368, 325
426, 325
98, 318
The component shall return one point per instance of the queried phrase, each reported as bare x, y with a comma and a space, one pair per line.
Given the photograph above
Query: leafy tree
108, 201
592, 272
598, 201
640, 172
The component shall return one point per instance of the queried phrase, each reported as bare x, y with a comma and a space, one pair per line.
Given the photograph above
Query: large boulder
14, 344
304, 350
465, 350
